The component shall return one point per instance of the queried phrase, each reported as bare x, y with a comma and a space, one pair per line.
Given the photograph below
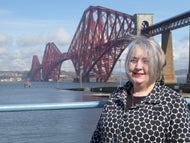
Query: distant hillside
182, 72
67, 75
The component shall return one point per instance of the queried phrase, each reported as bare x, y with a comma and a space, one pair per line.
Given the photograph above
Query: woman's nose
139, 64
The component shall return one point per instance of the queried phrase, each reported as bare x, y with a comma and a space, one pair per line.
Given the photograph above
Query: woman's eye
145, 61
133, 60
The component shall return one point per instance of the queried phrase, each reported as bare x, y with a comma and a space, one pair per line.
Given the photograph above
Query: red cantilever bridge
100, 39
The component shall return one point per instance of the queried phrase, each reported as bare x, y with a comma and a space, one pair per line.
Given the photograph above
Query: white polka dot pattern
161, 117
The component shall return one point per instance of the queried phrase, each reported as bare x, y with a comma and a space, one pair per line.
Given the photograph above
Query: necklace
135, 99
132, 97
132, 104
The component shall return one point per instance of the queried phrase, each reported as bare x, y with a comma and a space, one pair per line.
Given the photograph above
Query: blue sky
27, 25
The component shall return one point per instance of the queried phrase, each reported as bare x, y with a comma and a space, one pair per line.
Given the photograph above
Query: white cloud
18, 60
21, 59
67, 66
116, 69
25, 53
5, 40
181, 55
29, 45
58, 36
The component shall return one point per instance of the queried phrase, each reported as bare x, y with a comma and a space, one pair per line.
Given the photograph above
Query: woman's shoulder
122, 91
118, 92
171, 93
171, 96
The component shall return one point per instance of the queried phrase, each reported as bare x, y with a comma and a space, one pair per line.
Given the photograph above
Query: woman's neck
142, 90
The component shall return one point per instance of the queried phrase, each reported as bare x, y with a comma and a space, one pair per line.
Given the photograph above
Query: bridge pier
188, 77
169, 73
77, 79
99, 80
147, 20
188, 74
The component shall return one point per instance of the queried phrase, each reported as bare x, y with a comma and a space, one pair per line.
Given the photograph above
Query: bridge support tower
169, 73
142, 20
146, 20
188, 74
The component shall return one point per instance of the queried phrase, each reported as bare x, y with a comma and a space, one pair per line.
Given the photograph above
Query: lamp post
81, 71
57, 80
120, 71
41, 74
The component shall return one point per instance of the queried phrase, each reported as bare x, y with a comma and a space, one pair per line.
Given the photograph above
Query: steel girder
96, 45
179, 21
92, 50
99, 40
35, 69
50, 68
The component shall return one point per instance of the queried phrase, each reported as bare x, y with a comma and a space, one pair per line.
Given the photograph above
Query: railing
51, 106
56, 106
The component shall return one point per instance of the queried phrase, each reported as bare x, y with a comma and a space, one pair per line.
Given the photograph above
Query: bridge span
100, 39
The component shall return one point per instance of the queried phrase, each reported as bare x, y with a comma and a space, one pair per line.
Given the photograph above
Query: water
54, 126
181, 79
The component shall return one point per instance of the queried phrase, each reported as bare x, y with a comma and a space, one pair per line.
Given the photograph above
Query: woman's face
139, 67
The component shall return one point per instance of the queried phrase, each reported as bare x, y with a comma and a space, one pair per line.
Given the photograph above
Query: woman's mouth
138, 74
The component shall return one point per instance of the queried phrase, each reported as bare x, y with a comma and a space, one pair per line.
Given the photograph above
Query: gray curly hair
155, 53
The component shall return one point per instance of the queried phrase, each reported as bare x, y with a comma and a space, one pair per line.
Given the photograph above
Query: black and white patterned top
161, 117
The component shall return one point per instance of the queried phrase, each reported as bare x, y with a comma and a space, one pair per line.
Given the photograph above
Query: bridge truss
99, 40
176, 22
93, 50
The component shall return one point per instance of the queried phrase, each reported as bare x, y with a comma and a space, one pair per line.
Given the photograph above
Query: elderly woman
144, 110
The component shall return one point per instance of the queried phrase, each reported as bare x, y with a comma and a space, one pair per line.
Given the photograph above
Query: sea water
50, 126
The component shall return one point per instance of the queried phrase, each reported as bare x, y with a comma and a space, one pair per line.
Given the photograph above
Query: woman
144, 110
